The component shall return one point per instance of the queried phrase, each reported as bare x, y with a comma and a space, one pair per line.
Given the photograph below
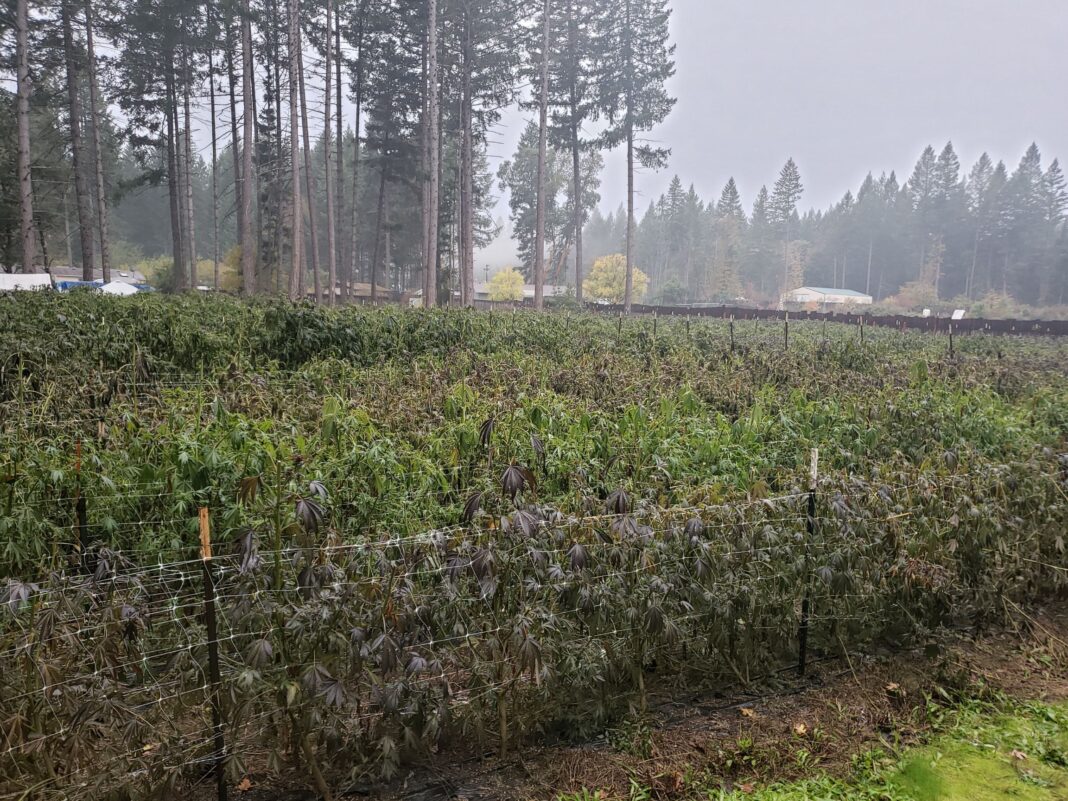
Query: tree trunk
331, 222
179, 163
434, 167
212, 33
235, 133
191, 229
354, 234
44, 249
94, 125
543, 133
379, 224
66, 227
629, 283
424, 158
387, 256
628, 289
248, 252
871, 252
172, 184
279, 171
339, 185
74, 102
467, 217
786, 262
975, 260
576, 157
29, 249
297, 264
309, 175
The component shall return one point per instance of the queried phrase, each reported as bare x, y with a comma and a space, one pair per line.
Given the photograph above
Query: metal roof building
821, 295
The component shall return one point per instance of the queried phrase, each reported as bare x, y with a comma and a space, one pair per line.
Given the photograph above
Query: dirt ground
787, 728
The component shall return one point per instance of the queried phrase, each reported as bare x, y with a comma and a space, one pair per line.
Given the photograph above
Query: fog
844, 87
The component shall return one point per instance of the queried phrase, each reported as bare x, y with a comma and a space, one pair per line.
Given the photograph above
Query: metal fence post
802, 633
211, 624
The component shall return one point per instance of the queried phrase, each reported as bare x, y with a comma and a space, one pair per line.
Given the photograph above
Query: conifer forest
369, 128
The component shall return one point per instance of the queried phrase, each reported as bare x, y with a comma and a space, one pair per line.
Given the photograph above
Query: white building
822, 296
12, 282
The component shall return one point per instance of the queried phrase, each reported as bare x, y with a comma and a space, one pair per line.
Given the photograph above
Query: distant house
14, 282
482, 294
359, 291
482, 291
819, 297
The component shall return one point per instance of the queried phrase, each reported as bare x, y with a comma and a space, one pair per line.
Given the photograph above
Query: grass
1018, 753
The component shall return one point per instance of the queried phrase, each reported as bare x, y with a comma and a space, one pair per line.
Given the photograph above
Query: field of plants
487, 528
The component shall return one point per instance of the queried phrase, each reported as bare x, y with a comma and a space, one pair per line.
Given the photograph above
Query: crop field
442, 533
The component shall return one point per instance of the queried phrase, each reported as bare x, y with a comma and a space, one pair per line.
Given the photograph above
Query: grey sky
848, 86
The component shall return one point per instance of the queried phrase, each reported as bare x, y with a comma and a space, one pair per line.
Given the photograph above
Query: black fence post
810, 527
211, 624
950, 339
732, 333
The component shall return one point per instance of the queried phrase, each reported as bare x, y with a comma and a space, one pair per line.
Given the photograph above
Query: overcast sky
847, 86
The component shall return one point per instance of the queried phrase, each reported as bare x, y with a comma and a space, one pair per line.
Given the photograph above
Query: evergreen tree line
307, 145
941, 236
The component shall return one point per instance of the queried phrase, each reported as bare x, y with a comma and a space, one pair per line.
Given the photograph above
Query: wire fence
856, 317
251, 659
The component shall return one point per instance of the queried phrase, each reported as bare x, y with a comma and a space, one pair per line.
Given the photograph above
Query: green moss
1018, 756
959, 771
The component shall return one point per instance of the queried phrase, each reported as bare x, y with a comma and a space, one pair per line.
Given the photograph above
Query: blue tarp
66, 286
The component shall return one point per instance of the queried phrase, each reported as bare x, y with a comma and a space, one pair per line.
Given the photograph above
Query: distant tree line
310, 144
941, 235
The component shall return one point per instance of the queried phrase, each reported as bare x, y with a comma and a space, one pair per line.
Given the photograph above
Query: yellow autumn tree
607, 280
506, 285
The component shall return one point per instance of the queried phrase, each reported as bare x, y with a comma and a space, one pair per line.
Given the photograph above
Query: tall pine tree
635, 59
